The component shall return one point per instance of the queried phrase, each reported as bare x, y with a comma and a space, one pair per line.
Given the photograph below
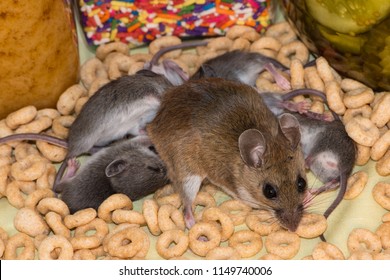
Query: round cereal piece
295, 49
33, 198
220, 45
386, 217
21, 116
355, 184
196, 242
380, 112
382, 256
91, 70
242, 31
381, 146
324, 70
5, 130
173, 199
383, 231
361, 255
2, 248
126, 243
104, 50
246, 242
236, 210
203, 201
264, 42
61, 125
28, 169
80, 218
51, 243
317, 107
281, 31
223, 253
22, 150
362, 131
163, 42
19, 240
56, 224
113, 202
382, 167
265, 85
52, 152
313, 79
53, 204
363, 240
5, 150
283, 244
116, 229
4, 173
141, 254
363, 154
172, 243
270, 257
118, 66
215, 214
94, 87
80, 104
311, 225
36, 126
297, 74
127, 216
334, 96
358, 97
348, 84
139, 62
46, 181
381, 194
68, 99
84, 254
241, 44
30, 222
82, 240
14, 192
150, 212
164, 191
364, 111
262, 222
327, 251
48, 112
169, 217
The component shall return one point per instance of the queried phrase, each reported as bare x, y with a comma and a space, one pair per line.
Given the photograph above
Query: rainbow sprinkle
138, 22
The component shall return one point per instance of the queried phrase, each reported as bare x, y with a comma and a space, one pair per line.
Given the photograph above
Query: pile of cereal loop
140, 22
229, 229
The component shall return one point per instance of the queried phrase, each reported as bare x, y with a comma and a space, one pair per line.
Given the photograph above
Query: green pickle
353, 35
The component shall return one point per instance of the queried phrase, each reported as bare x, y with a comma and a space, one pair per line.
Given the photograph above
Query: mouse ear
174, 73
207, 71
252, 147
116, 167
291, 129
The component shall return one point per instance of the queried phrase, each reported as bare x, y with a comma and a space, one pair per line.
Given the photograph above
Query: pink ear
252, 147
291, 129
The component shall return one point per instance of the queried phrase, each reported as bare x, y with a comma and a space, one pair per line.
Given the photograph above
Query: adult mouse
222, 131
129, 166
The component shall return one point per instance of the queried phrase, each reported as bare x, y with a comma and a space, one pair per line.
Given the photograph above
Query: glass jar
38, 53
353, 35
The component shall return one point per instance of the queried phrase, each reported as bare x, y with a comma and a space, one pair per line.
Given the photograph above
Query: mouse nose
290, 219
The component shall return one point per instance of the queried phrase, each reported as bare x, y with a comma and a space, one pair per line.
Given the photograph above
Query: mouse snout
290, 219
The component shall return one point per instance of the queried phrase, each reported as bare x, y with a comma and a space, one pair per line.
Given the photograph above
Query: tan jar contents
38, 53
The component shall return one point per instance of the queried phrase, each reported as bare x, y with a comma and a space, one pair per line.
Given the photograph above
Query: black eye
155, 169
153, 149
301, 183
269, 191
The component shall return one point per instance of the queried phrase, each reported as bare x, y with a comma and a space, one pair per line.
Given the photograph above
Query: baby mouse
128, 166
222, 131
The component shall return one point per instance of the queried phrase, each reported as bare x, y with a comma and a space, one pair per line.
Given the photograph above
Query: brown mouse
222, 131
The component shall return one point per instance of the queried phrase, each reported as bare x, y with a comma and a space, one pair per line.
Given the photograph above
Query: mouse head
273, 173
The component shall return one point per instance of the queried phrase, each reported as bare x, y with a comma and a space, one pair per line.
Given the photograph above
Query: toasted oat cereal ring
191, 60
30, 222
236, 210
5, 130
262, 222
295, 49
84, 254
94, 87
381, 194
350, 84
207, 230
327, 251
48, 112
120, 216
113, 202
361, 255
266, 82
362, 130
5, 150
382, 256
282, 31
223, 253
364, 111
67, 101
118, 66
311, 225
118, 228
173, 199
269, 43
362, 154
358, 97
203, 200
80, 104
169, 217
4, 172
136, 66
215, 214
51, 243
80, 218
98, 252
150, 212
28, 169
82, 240
2, 248
36, 126
19, 240
313, 79
3, 234
324, 70
317, 107
241, 31
141, 254
246, 242
21, 116
382, 167
56, 224
283, 244
126, 243
22, 150
270, 257
172, 243
53, 204
91, 70
363, 240
33, 199
52, 152
355, 184
241, 44
334, 96
220, 44
297, 74
61, 125
207, 56
163, 42
46, 181
14, 192
383, 231
164, 191
386, 217
103, 50
380, 112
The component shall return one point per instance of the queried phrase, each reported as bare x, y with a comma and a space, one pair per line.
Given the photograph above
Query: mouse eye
301, 183
269, 191
153, 149
155, 169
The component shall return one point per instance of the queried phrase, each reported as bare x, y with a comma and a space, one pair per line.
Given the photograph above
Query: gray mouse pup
222, 131
130, 167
